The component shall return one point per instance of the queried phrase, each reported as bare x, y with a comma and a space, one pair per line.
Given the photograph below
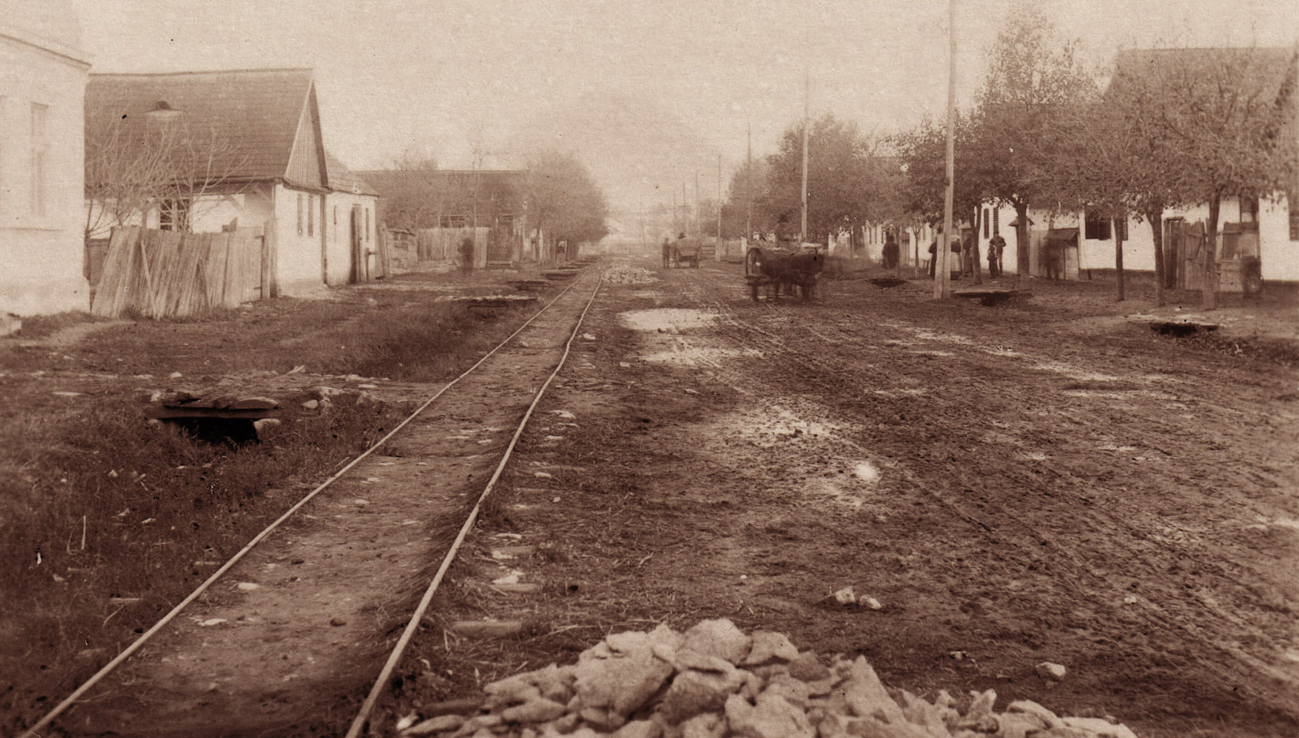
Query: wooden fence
160, 274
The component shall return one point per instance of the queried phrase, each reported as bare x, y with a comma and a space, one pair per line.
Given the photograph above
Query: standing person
890, 251
467, 255
667, 252
968, 252
995, 247
933, 257
676, 248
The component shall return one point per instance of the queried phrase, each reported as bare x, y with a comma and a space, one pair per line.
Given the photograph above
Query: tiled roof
342, 179
256, 111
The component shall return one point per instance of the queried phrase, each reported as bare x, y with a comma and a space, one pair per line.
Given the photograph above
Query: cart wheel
753, 263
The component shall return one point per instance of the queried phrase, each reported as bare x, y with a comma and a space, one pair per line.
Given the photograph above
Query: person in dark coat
467, 255
890, 251
995, 247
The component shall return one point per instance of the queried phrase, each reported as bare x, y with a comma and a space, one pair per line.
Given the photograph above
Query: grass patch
106, 522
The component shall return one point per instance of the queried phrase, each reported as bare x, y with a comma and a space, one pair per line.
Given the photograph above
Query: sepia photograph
659, 369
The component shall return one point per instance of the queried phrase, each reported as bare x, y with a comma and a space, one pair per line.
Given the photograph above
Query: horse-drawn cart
686, 251
775, 267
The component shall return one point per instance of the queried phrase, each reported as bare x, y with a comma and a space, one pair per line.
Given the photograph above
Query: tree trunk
1021, 242
1155, 217
1119, 224
1209, 293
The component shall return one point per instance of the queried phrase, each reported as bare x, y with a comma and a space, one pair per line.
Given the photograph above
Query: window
996, 221
40, 165
1098, 228
986, 233
173, 215
311, 215
1121, 228
367, 224
299, 213
1249, 210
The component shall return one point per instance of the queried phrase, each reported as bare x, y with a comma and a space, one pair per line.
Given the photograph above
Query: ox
776, 268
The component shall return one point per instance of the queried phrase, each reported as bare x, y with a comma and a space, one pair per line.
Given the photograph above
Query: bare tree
415, 193
563, 198
134, 167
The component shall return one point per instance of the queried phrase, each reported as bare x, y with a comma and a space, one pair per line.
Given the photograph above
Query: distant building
494, 199
250, 154
42, 89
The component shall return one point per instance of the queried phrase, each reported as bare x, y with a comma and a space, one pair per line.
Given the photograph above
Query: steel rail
70, 700
376, 691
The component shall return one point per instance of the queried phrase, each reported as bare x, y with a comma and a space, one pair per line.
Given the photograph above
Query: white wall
299, 257
42, 254
1278, 254
338, 237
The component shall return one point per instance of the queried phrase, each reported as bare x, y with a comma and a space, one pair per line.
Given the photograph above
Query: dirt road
1000, 487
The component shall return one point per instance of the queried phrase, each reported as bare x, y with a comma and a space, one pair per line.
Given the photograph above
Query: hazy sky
649, 92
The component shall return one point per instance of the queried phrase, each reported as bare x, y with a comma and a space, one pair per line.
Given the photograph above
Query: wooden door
356, 274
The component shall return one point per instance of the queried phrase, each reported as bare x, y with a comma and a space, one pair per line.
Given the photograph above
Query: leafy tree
564, 199
842, 181
923, 153
1012, 153
1221, 121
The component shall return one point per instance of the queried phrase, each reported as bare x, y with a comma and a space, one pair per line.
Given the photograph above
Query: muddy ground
1000, 487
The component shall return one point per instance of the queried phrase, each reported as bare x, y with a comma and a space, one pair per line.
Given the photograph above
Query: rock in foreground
714, 681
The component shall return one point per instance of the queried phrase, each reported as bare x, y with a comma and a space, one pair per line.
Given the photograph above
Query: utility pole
748, 188
717, 247
699, 227
685, 209
942, 273
807, 83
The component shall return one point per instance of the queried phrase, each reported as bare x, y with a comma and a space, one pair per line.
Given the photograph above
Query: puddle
866, 472
669, 320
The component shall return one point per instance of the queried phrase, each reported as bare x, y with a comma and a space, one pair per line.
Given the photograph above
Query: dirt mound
715, 680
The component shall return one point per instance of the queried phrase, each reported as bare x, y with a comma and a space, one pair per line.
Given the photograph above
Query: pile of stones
629, 275
715, 681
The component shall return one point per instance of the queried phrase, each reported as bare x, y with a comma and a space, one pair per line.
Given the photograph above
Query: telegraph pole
717, 247
942, 273
807, 83
748, 189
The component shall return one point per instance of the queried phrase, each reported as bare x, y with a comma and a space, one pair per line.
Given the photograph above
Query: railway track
311, 598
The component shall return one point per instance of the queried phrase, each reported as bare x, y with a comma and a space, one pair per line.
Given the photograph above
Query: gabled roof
342, 179
257, 112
